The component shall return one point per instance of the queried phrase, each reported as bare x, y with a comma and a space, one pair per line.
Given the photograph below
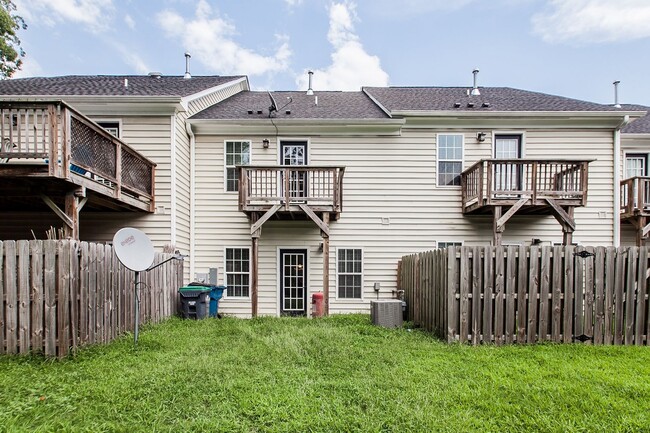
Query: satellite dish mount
135, 251
274, 105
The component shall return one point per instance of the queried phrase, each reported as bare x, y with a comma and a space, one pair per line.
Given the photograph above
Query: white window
635, 165
445, 244
237, 272
450, 159
349, 272
112, 128
237, 153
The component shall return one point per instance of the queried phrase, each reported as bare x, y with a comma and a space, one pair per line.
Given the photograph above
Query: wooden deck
635, 205
505, 187
293, 191
290, 193
50, 148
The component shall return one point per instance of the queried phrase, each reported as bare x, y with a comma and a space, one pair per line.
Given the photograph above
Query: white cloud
293, 3
593, 21
91, 13
210, 40
351, 67
131, 58
130, 22
30, 68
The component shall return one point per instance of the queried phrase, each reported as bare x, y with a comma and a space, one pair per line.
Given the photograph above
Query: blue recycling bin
216, 293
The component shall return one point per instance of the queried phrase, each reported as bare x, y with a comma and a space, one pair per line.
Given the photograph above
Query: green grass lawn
335, 374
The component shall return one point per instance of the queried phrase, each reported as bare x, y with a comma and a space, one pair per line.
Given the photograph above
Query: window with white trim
112, 128
237, 153
237, 272
445, 244
636, 164
450, 159
349, 272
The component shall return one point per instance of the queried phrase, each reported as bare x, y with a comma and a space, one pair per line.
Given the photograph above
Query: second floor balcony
531, 184
49, 146
291, 189
635, 197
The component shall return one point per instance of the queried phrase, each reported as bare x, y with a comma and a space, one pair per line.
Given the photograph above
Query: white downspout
188, 128
617, 180
173, 181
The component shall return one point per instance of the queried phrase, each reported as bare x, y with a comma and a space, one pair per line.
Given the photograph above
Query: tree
10, 50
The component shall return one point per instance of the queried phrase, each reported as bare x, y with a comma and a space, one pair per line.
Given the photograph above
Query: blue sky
573, 48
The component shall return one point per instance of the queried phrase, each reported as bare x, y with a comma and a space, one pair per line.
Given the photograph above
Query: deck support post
496, 230
255, 238
564, 215
642, 228
326, 263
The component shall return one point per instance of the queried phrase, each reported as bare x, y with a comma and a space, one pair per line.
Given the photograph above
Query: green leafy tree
10, 50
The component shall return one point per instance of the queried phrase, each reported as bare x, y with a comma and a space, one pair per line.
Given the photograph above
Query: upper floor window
112, 128
237, 153
636, 165
450, 159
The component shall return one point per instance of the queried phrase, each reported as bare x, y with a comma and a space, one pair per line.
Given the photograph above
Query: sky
572, 48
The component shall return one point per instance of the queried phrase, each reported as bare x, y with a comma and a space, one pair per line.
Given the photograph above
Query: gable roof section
111, 85
638, 126
321, 105
496, 99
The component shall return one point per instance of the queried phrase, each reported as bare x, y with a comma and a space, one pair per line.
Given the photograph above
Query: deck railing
635, 195
55, 134
288, 185
500, 181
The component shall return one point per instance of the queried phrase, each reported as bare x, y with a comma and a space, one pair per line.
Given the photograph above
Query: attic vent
457, 105
486, 105
287, 112
470, 105
250, 111
155, 74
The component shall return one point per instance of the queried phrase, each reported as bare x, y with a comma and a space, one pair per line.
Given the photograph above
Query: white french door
507, 176
295, 153
293, 282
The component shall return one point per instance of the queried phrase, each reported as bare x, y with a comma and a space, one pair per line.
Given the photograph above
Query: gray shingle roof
111, 85
331, 105
638, 126
498, 98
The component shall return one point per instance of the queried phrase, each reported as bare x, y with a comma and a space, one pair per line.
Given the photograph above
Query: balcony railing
69, 144
492, 182
319, 187
635, 196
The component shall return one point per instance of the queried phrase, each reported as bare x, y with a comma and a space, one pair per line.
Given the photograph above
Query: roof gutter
617, 180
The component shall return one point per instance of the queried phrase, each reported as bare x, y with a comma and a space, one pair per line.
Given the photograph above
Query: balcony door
294, 153
507, 176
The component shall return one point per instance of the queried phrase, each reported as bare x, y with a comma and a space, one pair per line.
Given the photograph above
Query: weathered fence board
594, 295
56, 296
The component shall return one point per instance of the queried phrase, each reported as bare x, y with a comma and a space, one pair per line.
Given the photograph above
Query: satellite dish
274, 105
134, 249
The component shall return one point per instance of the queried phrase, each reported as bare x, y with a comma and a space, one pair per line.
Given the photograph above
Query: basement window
237, 153
445, 244
349, 273
450, 159
237, 272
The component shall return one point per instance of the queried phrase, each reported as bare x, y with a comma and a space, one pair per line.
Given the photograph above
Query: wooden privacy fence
529, 294
57, 296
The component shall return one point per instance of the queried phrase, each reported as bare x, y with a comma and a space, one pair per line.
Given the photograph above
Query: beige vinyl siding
394, 178
151, 136
182, 186
631, 143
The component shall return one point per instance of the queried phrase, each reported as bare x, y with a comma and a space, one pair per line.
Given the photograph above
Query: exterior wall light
481, 137
265, 143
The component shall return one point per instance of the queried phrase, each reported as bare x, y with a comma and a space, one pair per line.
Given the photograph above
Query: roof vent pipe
475, 90
310, 91
126, 82
616, 104
187, 66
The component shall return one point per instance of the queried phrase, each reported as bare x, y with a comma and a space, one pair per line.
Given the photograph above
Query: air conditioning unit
386, 313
